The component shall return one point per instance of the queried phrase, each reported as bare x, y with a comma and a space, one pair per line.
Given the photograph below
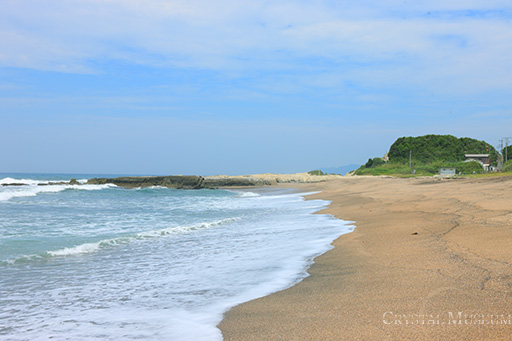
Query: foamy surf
32, 188
77, 250
248, 195
155, 263
34, 182
88, 248
9, 180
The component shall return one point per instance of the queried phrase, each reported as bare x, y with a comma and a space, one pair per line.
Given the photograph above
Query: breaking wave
248, 195
30, 188
88, 248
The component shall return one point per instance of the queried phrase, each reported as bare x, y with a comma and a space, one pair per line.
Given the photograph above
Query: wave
88, 248
76, 250
22, 181
9, 180
247, 195
31, 188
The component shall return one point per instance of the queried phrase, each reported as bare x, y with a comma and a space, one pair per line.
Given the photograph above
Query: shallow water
102, 262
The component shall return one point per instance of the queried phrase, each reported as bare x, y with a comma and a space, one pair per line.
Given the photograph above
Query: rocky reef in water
177, 182
195, 181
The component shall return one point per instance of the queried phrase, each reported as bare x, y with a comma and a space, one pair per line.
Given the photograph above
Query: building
482, 158
447, 171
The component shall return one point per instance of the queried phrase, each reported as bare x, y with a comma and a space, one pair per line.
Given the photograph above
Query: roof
476, 155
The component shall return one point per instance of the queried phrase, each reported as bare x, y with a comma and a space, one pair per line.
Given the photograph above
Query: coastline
429, 258
179, 258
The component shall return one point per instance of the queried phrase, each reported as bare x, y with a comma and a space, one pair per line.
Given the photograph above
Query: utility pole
500, 156
410, 158
506, 146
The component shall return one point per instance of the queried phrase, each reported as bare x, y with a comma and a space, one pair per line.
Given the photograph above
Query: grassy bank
400, 169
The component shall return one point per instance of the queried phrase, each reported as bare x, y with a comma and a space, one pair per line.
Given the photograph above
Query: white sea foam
184, 229
248, 195
94, 247
9, 192
34, 182
76, 250
31, 188
22, 181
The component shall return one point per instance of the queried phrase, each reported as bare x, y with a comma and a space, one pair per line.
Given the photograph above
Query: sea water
100, 262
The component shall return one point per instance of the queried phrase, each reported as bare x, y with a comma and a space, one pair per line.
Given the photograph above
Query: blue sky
241, 87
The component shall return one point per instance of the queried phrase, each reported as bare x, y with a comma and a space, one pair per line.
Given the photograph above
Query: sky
243, 87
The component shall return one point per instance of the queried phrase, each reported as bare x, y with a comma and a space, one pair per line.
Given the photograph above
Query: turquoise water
100, 262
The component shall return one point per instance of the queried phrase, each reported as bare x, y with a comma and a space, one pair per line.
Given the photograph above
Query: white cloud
370, 42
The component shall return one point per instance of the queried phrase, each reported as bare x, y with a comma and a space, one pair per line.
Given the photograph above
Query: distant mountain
340, 170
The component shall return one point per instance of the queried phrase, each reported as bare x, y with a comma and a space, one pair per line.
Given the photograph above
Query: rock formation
177, 181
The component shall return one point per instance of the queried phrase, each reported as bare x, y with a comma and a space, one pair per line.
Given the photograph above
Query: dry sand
429, 259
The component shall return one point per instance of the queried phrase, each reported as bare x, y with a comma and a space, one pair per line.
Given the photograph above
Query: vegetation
471, 167
428, 154
507, 152
316, 172
431, 148
375, 162
507, 166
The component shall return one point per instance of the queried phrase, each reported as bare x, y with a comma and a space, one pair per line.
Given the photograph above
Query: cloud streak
394, 39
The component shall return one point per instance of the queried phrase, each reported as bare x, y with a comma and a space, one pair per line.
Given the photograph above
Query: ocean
100, 262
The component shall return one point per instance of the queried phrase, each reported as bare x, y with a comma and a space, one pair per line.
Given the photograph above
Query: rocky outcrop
178, 182
197, 182
234, 182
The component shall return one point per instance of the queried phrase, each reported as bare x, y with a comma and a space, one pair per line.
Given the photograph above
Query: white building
482, 158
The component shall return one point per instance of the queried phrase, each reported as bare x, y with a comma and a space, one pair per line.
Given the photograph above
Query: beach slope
429, 258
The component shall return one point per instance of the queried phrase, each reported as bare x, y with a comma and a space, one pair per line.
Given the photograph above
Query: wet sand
429, 259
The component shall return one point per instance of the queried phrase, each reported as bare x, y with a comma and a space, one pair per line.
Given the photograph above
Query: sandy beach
429, 259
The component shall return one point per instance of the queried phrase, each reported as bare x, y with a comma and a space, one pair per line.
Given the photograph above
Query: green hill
432, 148
429, 153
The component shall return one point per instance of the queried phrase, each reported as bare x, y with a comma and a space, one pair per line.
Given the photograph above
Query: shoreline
429, 258
217, 249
